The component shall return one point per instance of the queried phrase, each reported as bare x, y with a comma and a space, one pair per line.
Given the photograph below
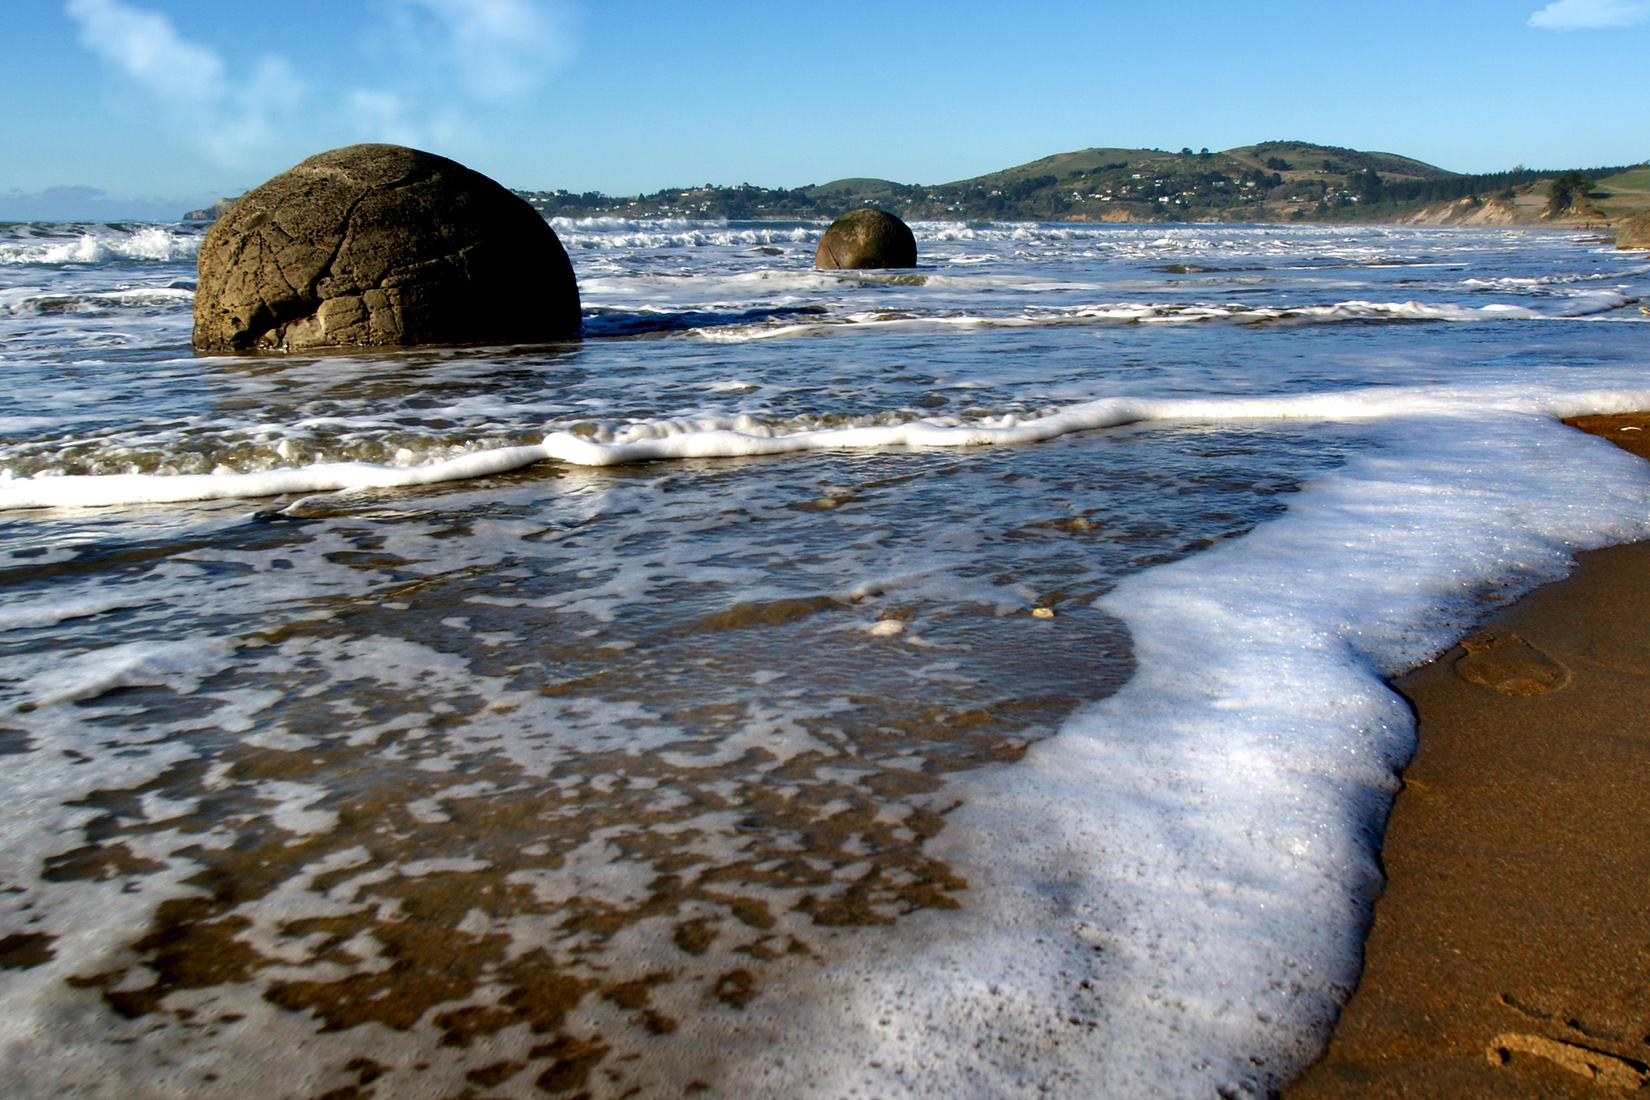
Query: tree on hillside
1366, 185
1565, 189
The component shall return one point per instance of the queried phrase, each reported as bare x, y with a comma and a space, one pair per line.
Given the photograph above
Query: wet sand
1510, 953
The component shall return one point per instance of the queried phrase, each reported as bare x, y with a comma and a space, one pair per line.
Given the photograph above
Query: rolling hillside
1273, 181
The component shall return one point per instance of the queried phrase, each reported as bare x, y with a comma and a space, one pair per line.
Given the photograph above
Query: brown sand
1510, 953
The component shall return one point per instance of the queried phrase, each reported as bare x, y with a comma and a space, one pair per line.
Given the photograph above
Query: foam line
741, 436
91, 491
1173, 889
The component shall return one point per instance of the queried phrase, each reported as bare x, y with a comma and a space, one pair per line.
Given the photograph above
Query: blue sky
147, 106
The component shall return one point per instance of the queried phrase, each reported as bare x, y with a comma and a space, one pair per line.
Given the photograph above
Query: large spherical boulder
866, 238
1634, 232
381, 245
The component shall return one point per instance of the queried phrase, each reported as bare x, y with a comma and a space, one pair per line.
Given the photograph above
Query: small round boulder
374, 245
866, 238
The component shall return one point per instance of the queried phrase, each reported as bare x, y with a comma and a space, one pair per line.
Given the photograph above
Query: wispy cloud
498, 49
453, 60
148, 48
1570, 15
232, 119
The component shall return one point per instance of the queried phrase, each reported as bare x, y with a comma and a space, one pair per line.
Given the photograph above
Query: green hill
857, 185
1063, 166
1304, 158
1294, 159
1268, 182
1620, 195
1272, 179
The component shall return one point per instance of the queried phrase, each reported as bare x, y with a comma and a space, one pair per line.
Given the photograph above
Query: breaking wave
56, 245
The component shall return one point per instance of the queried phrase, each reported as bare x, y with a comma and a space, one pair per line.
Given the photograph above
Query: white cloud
498, 49
446, 63
254, 114
382, 113
1569, 15
146, 47
234, 120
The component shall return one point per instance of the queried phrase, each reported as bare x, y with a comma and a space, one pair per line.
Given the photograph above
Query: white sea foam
1572, 305
120, 299
153, 243
293, 807
1182, 911
741, 436
1234, 922
614, 234
635, 234
180, 666
89, 491
746, 436
23, 616
1545, 282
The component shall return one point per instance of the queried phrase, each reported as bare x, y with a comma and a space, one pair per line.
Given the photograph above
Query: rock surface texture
1634, 232
381, 245
866, 238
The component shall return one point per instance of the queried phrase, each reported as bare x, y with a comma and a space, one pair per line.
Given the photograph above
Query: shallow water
618, 778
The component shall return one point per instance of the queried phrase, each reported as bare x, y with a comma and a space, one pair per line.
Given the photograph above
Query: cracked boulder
866, 238
381, 245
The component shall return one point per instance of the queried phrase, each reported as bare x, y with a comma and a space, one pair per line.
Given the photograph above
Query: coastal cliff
1471, 210
1616, 202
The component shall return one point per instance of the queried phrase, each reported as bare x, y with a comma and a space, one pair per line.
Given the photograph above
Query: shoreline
1509, 953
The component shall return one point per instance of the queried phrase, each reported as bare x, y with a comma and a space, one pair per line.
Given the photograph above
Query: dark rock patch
381, 245
26, 949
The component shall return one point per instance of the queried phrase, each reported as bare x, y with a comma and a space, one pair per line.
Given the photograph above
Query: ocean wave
181, 666
595, 444
1582, 304
652, 322
102, 301
1553, 283
236, 452
631, 234
101, 244
1577, 305
807, 280
99, 490
653, 285
1160, 239
1125, 241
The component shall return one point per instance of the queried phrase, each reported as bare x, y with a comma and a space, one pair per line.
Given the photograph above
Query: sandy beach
1510, 952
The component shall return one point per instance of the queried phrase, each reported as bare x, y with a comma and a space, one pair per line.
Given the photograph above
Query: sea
968, 681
